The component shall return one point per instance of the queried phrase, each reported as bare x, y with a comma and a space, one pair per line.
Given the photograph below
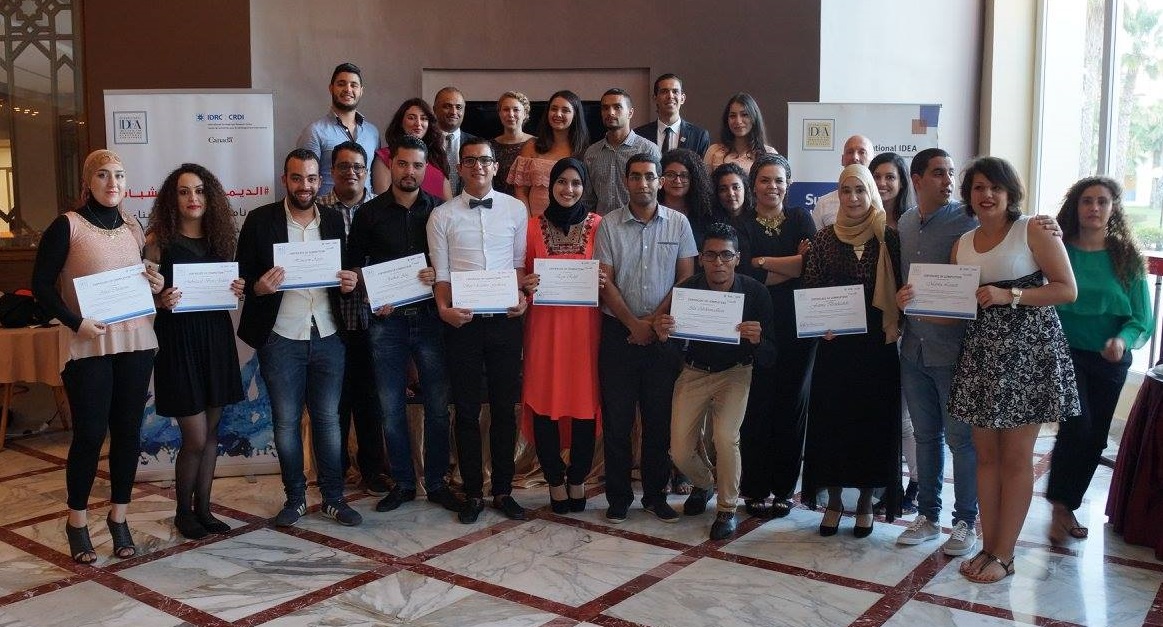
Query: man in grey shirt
645, 249
606, 160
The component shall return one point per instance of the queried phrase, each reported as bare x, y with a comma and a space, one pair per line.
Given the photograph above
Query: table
1135, 502
33, 355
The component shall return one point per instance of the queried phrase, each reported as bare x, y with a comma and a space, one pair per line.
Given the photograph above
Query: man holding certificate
717, 378
476, 239
645, 248
295, 333
392, 227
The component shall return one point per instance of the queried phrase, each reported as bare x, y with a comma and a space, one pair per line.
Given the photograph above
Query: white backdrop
231, 133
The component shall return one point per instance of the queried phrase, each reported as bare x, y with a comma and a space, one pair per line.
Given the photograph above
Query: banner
231, 133
816, 133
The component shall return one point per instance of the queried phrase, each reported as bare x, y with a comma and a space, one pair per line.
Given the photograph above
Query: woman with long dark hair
733, 194
414, 117
561, 133
892, 182
196, 371
107, 375
742, 135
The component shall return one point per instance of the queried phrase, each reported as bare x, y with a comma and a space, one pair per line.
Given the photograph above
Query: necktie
453, 162
668, 140
473, 203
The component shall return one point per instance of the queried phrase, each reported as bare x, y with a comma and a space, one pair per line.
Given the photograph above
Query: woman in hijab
854, 424
561, 401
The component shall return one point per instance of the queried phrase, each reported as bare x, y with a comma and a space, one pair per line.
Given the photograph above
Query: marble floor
418, 566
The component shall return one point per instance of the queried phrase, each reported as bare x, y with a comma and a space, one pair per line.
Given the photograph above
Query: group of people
658, 207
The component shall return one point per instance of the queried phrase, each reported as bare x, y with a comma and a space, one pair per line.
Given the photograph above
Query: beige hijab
93, 162
856, 233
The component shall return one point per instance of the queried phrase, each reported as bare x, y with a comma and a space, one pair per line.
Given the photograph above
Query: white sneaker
961, 540
921, 530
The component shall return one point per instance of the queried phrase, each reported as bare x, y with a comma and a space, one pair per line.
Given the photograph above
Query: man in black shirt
716, 379
392, 226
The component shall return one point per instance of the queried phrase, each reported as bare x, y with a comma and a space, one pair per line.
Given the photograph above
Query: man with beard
392, 226
341, 123
295, 333
606, 160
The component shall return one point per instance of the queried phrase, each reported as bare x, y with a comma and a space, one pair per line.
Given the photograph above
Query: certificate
706, 315
944, 290
837, 309
485, 291
309, 264
205, 286
396, 282
567, 282
115, 295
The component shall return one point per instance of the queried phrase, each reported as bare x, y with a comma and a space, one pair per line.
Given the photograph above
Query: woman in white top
742, 135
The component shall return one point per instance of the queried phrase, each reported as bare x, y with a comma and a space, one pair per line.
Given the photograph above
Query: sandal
970, 565
831, 522
1007, 567
1073, 529
123, 546
80, 546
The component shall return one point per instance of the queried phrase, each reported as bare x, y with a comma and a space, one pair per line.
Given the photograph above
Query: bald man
857, 149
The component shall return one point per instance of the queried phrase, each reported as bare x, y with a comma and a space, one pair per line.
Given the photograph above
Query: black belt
697, 365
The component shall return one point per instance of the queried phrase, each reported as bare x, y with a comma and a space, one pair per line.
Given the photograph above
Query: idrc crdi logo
220, 117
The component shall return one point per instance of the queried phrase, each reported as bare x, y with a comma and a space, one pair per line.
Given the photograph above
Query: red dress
561, 343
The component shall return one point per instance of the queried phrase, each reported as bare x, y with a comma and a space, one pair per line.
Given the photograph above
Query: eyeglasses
472, 162
725, 256
345, 167
676, 176
638, 177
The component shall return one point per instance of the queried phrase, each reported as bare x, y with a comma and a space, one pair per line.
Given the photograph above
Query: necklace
110, 231
770, 226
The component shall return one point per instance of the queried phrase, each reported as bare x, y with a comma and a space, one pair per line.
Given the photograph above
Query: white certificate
944, 290
567, 282
309, 264
205, 286
837, 309
115, 295
396, 282
485, 291
706, 315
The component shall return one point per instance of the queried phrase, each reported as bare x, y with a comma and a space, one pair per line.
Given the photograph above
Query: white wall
907, 51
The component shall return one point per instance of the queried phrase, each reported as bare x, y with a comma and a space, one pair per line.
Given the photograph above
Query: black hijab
565, 217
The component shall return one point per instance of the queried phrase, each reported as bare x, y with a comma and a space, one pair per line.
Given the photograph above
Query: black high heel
830, 529
123, 546
559, 506
577, 503
80, 546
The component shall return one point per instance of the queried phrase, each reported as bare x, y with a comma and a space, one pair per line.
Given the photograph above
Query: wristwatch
1017, 294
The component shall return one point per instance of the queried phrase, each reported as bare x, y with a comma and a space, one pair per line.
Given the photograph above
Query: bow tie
473, 203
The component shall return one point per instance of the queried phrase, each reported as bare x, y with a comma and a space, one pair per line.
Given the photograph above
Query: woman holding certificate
777, 410
1111, 316
1014, 371
854, 429
107, 375
561, 401
196, 370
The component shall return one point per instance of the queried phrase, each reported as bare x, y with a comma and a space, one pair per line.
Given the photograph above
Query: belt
713, 368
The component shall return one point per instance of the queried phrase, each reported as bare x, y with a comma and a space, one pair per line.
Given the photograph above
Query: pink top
92, 250
434, 179
533, 172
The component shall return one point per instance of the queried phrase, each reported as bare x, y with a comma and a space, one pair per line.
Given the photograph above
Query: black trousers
1081, 439
547, 438
492, 346
360, 405
635, 377
106, 393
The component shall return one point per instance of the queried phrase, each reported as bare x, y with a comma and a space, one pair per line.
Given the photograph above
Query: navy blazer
690, 136
264, 227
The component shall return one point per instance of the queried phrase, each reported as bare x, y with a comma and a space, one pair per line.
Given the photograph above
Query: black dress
197, 361
772, 434
854, 414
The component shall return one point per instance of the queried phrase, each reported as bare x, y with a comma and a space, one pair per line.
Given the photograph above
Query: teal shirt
1105, 308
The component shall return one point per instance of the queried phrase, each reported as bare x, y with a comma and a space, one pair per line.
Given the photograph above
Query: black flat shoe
188, 526
757, 508
212, 524
80, 546
123, 546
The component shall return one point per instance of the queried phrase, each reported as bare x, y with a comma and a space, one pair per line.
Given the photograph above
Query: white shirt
298, 307
676, 141
827, 206
461, 238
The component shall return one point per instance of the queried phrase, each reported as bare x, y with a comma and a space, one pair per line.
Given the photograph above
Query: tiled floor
418, 566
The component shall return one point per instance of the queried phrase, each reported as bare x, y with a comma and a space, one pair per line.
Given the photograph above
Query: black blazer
264, 227
690, 136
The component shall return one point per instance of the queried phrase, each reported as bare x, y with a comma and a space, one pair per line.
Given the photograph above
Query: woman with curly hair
686, 188
1111, 316
733, 196
414, 117
561, 133
742, 135
196, 371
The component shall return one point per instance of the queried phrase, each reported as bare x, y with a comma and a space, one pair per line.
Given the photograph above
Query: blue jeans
926, 390
312, 371
392, 341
